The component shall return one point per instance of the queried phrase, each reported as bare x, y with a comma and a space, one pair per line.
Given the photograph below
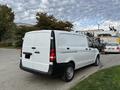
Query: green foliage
20, 32
6, 20
11, 34
45, 21
108, 79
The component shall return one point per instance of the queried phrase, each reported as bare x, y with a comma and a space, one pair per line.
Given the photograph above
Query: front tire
68, 73
97, 61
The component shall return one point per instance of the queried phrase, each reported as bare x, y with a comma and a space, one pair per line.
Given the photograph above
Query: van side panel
38, 45
74, 47
70, 47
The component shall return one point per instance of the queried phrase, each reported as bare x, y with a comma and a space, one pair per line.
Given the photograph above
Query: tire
68, 73
97, 61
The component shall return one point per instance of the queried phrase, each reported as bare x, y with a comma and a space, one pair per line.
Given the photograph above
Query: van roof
49, 31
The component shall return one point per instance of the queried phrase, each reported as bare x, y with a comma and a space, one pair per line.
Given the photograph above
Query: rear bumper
55, 69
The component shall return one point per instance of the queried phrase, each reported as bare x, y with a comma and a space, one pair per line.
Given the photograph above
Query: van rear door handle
68, 48
33, 47
37, 52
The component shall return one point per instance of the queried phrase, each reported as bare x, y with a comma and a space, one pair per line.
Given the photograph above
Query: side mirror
22, 38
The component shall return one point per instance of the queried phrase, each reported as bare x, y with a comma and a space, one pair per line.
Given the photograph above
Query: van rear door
35, 51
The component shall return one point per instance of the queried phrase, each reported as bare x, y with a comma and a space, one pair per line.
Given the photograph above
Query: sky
84, 14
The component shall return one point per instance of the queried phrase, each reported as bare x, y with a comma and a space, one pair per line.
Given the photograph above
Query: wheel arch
98, 55
72, 62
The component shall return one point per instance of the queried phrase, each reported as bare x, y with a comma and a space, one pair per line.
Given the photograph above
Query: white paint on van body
41, 41
74, 47
70, 46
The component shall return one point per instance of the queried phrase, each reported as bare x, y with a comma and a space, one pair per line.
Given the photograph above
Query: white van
56, 52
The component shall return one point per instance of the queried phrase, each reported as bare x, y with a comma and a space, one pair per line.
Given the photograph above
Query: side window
90, 42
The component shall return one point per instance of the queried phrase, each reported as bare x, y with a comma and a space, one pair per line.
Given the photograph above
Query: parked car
96, 43
57, 52
112, 48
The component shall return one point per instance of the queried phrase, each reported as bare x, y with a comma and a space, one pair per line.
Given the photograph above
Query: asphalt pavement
12, 78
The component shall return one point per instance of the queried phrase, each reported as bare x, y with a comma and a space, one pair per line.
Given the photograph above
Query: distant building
105, 36
93, 32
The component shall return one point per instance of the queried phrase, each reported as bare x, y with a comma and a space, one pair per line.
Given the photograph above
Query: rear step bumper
55, 69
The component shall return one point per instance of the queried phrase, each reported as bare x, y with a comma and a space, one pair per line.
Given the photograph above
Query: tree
45, 21
6, 20
20, 32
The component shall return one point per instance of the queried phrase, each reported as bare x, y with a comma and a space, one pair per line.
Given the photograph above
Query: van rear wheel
68, 73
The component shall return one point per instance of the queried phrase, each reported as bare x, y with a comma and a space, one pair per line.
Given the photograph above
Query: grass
107, 79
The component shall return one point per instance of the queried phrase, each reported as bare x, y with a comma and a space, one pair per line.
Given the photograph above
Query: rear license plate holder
27, 55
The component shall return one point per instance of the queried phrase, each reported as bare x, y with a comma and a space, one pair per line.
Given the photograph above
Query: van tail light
52, 48
52, 55
118, 48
